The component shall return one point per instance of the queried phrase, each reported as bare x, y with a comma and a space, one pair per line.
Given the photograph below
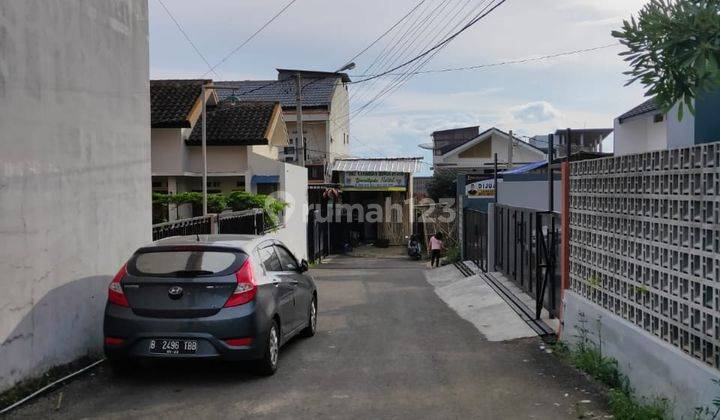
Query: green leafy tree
673, 48
442, 184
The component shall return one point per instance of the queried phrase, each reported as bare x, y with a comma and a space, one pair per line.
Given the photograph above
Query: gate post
490, 249
564, 243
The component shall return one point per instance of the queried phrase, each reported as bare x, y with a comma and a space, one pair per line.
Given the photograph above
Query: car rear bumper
136, 333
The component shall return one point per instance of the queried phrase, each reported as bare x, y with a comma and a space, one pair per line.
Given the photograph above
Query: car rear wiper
189, 273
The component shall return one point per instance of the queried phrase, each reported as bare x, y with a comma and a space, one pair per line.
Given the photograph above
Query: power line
503, 63
404, 77
400, 47
387, 31
187, 37
236, 49
437, 46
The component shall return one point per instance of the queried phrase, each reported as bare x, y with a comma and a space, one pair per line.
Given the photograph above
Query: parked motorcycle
413, 247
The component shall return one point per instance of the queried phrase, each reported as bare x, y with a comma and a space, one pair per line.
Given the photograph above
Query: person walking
436, 246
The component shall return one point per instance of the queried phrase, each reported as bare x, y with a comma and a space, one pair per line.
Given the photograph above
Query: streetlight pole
204, 151
300, 149
300, 142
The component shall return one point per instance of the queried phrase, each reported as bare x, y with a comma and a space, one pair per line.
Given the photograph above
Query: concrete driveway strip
387, 347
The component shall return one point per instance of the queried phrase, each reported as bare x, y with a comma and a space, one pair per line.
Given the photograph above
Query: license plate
171, 346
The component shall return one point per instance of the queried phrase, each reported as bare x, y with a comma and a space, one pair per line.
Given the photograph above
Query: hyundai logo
175, 292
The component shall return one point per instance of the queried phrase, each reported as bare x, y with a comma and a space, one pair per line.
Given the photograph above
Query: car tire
267, 366
311, 328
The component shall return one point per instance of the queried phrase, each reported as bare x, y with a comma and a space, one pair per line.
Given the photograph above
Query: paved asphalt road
387, 347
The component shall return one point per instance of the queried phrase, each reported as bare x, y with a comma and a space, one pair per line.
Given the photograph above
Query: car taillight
235, 342
246, 288
115, 291
113, 341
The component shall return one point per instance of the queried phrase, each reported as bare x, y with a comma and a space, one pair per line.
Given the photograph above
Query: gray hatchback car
230, 297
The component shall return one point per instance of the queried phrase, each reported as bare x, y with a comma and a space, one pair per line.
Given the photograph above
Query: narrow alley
387, 347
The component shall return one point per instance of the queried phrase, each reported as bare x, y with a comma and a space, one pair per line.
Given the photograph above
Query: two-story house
646, 128
469, 150
582, 140
244, 140
325, 114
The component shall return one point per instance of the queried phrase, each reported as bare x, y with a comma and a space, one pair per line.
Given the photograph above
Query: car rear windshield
186, 263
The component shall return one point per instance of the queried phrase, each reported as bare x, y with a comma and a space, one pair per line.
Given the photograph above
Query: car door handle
276, 282
293, 282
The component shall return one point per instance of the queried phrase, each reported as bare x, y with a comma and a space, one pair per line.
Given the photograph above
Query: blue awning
525, 168
265, 179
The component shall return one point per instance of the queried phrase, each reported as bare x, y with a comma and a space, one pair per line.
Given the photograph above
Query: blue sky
584, 90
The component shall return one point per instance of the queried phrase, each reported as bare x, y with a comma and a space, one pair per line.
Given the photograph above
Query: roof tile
235, 124
172, 100
647, 106
316, 92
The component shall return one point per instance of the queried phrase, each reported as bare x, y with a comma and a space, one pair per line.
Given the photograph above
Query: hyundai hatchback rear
231, 297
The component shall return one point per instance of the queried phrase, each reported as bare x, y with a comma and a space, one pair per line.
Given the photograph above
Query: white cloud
536, 112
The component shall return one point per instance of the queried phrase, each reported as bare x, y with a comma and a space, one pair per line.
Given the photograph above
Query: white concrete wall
293, 189
529, 194
74, 172
219, 159
680, 133
638, 135
655, 368
641, 134
168, 151
339, 123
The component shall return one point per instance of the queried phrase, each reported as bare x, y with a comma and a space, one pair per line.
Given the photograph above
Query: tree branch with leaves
673, 48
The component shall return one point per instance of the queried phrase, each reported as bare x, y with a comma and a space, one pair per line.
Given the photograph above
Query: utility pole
495, 179
551, 185
510, 151
204, 151
300, 143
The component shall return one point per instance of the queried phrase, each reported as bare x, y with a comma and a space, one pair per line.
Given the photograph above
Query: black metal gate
475, 239
317, 236
527, 249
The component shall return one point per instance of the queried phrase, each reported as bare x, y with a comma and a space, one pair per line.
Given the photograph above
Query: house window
315, 172
213, 184
658, 118
289, 150
157, 184
289, 159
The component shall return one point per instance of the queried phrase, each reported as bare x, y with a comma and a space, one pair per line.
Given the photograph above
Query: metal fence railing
251, 222
527, 251
242, 222
195, 225
475, 238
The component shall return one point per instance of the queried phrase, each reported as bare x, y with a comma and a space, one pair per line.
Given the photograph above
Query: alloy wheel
313, 316
274, 347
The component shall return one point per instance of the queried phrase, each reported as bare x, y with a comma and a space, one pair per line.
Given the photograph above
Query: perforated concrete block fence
645, 243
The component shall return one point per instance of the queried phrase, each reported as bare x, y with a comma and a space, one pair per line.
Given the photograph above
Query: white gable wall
642, 134
499, 145
639, 134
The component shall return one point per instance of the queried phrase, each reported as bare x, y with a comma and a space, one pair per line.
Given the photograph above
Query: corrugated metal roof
525, 168
408, 165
